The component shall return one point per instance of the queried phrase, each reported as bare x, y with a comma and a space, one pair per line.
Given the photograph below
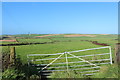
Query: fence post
117, 53
66, 60
12, 55
110, 54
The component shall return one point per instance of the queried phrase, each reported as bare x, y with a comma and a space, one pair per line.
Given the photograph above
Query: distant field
61, 43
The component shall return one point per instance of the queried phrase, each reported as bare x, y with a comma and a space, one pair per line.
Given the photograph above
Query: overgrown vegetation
19, 70
109, 71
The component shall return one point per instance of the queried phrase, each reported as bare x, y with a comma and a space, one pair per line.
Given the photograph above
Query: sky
59, 17
60, 0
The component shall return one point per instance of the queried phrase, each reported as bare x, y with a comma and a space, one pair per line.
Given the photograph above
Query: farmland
58, 43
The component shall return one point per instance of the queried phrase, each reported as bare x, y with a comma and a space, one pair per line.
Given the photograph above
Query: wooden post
117, 53
12, 55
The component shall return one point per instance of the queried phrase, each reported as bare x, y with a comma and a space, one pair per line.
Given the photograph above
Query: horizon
60, 34
60, 18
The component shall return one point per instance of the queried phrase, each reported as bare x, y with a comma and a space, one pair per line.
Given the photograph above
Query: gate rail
73, 56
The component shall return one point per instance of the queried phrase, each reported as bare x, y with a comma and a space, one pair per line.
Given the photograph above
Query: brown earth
79, 35
9, 40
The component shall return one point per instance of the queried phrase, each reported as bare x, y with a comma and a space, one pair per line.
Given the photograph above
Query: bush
11, 73
64, 74
34, 77
110, 71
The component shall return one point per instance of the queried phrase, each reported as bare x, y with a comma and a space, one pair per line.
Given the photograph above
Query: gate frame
66, 53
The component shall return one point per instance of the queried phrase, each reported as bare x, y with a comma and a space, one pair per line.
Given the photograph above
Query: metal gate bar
90, 62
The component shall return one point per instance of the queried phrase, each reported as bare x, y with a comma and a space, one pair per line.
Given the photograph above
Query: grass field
61, 44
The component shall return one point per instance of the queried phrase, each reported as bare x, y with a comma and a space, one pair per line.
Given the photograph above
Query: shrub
11, 73
110, 71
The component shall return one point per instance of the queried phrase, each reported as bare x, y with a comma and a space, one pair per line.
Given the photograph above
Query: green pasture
52, 48
62, 44
28, 35
73, 65
33, 40
3, 42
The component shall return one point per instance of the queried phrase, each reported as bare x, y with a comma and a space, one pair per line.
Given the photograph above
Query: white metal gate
87, 67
